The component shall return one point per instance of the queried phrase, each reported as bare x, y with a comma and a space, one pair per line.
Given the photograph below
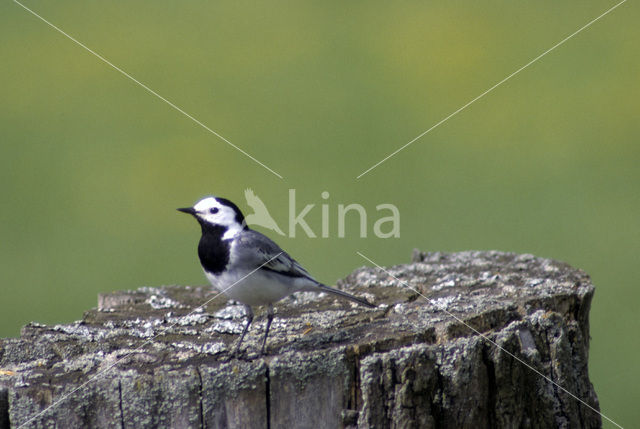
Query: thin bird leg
246, 328
270, 316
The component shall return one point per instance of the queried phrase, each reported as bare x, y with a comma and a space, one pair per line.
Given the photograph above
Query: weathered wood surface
407, 363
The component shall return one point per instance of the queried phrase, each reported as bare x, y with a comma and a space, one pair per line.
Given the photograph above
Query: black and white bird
246, 265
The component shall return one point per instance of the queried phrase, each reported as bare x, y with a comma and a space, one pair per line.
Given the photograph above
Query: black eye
213, 210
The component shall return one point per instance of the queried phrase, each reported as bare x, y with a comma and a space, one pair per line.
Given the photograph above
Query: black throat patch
212, 249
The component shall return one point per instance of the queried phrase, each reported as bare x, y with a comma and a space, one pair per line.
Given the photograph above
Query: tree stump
151, 358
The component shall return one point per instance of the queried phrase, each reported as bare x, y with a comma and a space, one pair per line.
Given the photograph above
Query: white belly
258, 288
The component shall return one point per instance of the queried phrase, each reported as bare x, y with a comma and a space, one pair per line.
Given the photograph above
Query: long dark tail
344, 294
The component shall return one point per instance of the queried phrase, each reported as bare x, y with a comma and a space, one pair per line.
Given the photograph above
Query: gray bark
146, 359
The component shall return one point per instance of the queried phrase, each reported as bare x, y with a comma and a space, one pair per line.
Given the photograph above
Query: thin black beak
189, 210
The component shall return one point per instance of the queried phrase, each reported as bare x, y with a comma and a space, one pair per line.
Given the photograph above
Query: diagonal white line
151, 91
104, 371
490, 89
491, 341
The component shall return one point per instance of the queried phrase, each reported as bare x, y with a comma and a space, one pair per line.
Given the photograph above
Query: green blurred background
93, 166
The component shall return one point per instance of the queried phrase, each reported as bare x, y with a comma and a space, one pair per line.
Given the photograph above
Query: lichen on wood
152, 358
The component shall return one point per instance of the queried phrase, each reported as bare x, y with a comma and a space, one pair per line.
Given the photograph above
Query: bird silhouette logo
260, 215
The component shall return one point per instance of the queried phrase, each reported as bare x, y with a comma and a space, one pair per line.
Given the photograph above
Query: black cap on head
226, 202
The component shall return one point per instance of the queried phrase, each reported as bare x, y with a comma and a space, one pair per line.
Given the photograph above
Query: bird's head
216, 211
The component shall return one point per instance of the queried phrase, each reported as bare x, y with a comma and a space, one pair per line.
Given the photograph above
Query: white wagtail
246, 265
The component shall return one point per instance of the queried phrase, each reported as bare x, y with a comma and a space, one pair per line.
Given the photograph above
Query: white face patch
212, 211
